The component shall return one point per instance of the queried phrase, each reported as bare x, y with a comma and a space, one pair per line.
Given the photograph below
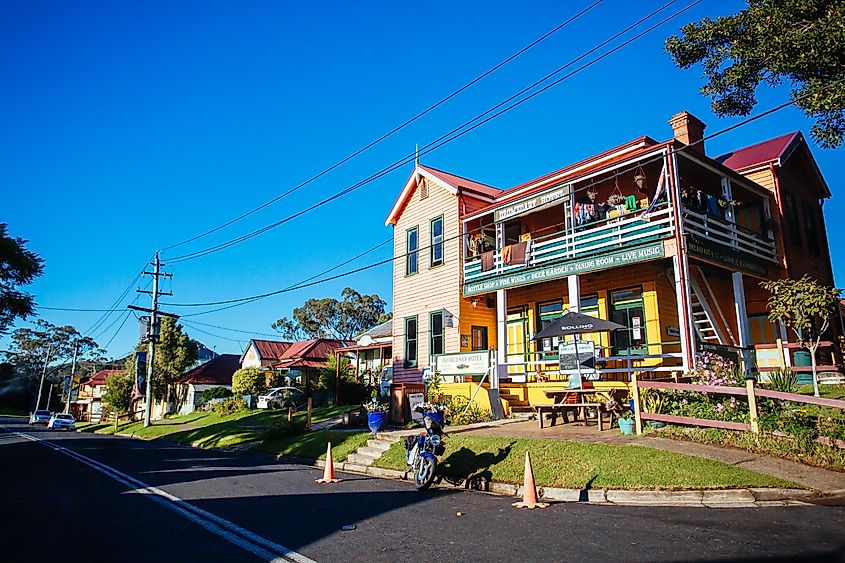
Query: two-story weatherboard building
656, 236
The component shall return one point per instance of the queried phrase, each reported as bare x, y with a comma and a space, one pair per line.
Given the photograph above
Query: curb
704, 498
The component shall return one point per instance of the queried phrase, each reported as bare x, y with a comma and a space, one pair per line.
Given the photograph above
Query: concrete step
522, 409
358, 459
382, 445
368, 451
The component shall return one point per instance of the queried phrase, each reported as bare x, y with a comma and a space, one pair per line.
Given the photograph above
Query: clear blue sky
130, 126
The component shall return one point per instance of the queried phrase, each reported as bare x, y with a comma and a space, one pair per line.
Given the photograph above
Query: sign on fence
464, 363
578, 357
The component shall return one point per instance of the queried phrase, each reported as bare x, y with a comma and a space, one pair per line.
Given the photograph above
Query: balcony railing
624, 231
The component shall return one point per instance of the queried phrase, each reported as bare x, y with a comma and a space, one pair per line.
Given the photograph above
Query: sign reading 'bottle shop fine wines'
577, 266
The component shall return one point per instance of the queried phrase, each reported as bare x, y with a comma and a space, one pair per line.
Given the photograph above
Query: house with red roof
297, 362
216, 372
88, 404
656, 236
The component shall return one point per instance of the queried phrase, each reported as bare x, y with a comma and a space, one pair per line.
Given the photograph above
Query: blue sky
131, 126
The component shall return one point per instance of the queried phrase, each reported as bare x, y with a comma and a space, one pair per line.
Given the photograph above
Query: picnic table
566, 400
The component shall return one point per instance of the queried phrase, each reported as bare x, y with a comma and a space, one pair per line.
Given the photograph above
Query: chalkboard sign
585, 360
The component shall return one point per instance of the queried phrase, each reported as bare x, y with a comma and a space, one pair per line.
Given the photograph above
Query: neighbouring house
88, 404
656, 236
297, 362
372, 351
216, 372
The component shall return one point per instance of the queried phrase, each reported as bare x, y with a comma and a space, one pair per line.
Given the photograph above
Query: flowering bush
432, 407
376, 406
713, 369
464, 413
710, 369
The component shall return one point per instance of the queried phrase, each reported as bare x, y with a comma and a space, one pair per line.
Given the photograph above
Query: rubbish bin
802, 358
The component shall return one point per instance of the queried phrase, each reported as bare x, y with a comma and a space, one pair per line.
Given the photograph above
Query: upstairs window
412, 242
792, 219
437, 241
435, 324
811, 230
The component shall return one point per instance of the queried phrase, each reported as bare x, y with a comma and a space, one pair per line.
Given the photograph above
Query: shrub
784, 380
248, 381
458, 404
215, 393
283, 428
230, 406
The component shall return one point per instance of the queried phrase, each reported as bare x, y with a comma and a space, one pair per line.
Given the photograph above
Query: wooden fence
751, 392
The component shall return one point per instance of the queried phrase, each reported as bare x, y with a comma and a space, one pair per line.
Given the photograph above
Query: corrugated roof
100, 377
463, 183
314, 350
217, 371
761, 153
271, 349
378, 331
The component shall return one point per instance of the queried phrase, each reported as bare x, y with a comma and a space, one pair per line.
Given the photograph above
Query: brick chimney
688, 129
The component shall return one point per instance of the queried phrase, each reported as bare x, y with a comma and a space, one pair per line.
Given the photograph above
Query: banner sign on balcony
531, 204
464, 363
578, 266
730, 257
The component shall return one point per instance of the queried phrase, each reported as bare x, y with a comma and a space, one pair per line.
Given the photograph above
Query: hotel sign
576, 266
464, 363
531, 204
729, 257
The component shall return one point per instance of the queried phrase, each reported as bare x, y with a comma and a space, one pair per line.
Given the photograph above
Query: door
517, 339
627, 308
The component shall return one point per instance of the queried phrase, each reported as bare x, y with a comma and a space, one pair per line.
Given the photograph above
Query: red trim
695, 421
800, 398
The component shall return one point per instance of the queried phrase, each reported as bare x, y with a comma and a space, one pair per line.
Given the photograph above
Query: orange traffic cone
529, 490
328, 472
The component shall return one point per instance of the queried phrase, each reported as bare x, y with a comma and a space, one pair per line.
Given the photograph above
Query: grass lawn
561, 463
313, 444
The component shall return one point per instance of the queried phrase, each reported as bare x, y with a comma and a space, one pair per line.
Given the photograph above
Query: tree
806, 307
801, 42
120, 388
175, 353
18, 266
248, 381
330, 318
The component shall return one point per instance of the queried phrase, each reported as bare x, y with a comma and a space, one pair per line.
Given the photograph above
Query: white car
279, 396
61, 421
40, 417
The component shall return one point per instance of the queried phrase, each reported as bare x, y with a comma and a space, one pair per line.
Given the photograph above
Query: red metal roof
218, 371
462, 183
271, 349
100, 377
760, 153
307, 352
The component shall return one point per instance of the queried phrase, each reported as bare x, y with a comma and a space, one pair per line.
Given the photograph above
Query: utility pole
43, 375
72, 375
152, 336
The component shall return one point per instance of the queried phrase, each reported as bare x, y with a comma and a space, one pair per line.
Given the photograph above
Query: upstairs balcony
559, 240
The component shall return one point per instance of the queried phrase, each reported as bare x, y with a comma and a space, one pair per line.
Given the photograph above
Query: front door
517, 338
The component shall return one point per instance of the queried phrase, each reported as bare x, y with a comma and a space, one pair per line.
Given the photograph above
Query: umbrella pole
578, 363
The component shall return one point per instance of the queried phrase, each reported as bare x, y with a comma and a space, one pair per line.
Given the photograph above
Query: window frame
432, 262
632, 349
793, 217
811, 229
484, 331
541, 344
411, 341
412, 254
432, 335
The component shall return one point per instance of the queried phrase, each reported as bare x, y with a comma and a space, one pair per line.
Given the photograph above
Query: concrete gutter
704, 498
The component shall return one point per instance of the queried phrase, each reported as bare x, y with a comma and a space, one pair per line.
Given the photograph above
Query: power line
672, 151
192, 327
457, 132
114, 305
395, 129
192, 322
125, 318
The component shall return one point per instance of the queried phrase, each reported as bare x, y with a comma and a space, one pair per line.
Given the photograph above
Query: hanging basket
640, 178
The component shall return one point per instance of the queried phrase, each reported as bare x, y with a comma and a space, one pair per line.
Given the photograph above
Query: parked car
39, 417
61, 421
278, 397
386, 379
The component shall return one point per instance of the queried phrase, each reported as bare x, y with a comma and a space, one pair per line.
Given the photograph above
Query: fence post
781, 360
752, 405
308, 423
638, 423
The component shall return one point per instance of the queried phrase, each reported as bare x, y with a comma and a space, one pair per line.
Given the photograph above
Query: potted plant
626, 423
435, 411
376, 415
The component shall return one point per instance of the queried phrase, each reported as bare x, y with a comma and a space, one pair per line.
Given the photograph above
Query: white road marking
243, 538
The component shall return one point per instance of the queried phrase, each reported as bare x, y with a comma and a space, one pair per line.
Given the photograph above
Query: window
627, 308
547, 313
810, 229
512, 232
479, 338
412, 241
437, 241
794, 223
590, 305
410, 342
435, 327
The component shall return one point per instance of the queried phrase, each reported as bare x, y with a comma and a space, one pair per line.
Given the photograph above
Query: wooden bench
564, 408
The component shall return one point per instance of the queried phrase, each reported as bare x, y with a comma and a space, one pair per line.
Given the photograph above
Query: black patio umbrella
576, 323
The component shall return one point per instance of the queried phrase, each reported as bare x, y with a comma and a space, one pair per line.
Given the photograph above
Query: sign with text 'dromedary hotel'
576, 266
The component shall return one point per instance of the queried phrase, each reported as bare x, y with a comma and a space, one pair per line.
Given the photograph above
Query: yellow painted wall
482, 399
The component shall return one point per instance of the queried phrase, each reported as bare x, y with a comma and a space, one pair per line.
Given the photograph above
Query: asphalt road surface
82, 497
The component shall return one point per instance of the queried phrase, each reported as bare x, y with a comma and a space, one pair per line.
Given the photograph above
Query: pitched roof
271, 349
310, 353
378, 331
217, 371
451, 182
100, 377
772, 151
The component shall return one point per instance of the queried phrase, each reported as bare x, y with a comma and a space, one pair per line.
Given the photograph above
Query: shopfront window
547, 313
628, 309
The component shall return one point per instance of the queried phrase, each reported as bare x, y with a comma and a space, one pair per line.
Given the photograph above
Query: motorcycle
421, 451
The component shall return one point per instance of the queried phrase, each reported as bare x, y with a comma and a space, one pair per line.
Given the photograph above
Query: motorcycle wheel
424, 475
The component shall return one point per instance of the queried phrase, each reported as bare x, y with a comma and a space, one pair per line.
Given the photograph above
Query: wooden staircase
707, 326
516, 404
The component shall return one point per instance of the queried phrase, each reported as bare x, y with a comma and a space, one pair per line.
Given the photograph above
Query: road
72, 496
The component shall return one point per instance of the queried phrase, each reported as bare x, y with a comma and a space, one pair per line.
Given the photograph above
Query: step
381, 445
522, 408
358, 459
368, 451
